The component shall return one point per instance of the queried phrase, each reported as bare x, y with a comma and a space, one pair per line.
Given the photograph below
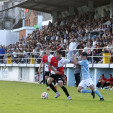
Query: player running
86, 77
46, 59
56, 65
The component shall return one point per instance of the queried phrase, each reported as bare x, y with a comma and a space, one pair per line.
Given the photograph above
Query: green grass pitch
18, 97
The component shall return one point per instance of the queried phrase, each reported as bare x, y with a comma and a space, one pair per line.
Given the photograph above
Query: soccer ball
44, 95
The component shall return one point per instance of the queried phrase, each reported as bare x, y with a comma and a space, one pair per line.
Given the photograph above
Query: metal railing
35, 57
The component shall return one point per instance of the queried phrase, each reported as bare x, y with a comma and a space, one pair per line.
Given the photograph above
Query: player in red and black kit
56, 66
46, 59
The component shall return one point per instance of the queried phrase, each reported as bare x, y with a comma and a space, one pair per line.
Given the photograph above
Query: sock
47, 84
52, 87
86, 91
98, 93
54, 82
65, 91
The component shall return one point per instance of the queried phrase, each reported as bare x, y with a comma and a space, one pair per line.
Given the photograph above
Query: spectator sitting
109, 82
101, 81
36, 77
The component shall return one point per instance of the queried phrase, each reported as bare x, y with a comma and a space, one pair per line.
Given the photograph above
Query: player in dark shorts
56, 66
46, 59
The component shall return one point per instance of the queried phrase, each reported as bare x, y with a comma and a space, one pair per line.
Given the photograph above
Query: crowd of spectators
87, 32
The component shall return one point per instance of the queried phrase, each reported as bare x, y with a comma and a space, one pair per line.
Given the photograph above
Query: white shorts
86, 83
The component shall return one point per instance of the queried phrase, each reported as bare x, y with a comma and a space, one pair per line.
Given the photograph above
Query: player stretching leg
56, 65
86, 78
46, 59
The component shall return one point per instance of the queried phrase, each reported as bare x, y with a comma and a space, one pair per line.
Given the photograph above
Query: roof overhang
49, 6
58, 5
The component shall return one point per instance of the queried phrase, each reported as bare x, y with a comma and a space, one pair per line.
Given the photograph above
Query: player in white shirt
46, 59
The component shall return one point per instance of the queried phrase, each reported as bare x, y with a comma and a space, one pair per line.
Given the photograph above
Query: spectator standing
72, 48
2, 53
77, 71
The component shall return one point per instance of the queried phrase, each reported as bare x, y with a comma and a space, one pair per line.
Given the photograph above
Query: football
44, 95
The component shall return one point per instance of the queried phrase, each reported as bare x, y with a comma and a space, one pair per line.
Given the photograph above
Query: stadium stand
85, 32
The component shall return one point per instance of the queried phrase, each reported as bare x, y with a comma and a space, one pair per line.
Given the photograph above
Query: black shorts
46, 73
57, 78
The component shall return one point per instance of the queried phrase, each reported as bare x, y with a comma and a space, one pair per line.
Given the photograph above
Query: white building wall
16, 73
7, 37
26, 73
9, 73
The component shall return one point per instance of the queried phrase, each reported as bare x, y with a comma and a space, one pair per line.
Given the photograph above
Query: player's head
110, 75
102, 75
84, 56
58, 54
47, 51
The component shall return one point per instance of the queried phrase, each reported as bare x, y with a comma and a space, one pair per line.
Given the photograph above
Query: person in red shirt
46, 59
101, 81
58, 47
109, 82
56, 66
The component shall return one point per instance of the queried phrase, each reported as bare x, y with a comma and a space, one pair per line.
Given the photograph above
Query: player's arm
57, 72
74, 61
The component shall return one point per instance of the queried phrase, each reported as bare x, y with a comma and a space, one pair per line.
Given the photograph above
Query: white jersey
46, 59
58, 64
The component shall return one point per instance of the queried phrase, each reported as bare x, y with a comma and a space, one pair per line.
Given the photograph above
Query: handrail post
109, 57
92, 59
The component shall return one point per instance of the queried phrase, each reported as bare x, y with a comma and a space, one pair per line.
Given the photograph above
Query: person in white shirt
72, 47
15, 55
85, 48
96, 16
110, 48
25, 56
94, 41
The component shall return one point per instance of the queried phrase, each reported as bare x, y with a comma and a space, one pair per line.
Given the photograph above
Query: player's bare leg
46, 77
94, 90
79, 89
82, 90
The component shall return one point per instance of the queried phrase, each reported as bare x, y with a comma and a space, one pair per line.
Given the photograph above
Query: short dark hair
59, 52
84, 54
103, 74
